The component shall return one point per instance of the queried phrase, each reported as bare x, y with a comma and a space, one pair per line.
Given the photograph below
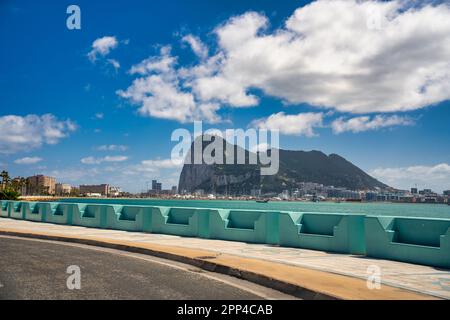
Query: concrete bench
130, 218
342, 233
88, 215
4, 209
175, 221
58, 213
16, 209
241, 225
415, 240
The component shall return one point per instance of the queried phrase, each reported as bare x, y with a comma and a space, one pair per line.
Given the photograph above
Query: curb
202, 263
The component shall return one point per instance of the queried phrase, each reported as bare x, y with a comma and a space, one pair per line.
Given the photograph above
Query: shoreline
57, 198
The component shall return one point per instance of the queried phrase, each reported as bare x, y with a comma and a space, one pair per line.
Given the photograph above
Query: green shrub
9, 194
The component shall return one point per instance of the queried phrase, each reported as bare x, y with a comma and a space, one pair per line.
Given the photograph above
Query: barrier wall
243, 225
327, 232
176, 221
130, 218
16, 211
415, 240
89, 216
34, 211
58, 214
4, 209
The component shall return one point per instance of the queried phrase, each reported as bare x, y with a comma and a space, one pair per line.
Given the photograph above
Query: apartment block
41, 185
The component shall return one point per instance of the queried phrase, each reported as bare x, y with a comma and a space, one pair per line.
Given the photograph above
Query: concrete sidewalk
305, 273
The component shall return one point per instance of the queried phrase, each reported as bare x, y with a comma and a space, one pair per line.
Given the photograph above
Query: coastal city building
114, 191
63, 189
101, 189
40, 185
156, 186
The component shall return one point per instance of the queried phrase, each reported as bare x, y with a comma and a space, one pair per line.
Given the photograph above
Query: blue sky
383, 103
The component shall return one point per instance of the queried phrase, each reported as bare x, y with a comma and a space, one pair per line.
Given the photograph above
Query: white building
63, 189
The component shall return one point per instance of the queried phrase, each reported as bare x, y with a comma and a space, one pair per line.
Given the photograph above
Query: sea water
374, 208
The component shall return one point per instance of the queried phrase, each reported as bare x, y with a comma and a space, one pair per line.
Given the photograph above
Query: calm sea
386, 209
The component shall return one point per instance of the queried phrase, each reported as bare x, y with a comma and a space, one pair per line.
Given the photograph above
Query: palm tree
5, 179
18, 184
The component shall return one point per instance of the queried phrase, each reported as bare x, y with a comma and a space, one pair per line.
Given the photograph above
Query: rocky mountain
295, 167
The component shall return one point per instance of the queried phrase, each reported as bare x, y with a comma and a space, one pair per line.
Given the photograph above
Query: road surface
37, 269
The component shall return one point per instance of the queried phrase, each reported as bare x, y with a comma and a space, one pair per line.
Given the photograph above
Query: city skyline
40, 185
98, 105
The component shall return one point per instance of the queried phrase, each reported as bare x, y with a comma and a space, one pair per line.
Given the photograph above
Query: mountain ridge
295, 166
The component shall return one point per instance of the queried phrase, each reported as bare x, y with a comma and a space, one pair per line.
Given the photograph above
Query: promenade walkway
307, 273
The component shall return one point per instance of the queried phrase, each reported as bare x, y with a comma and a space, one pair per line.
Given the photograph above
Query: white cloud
102, 46
93, 160
299, 124
366, 123
351, 56
28, 160
99, 115
114, 63
76, 175
341, 63
436, 177
112, 147
158, 93
164, 163
199, 48
151, 169
90, 160
262, 147
163, 63
23, 133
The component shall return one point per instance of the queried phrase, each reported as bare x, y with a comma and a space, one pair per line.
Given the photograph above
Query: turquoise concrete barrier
43, 212
243, 225
326, 232
34, 211
130, 218
175, 221
415, 240
4, 210
58, 213
15, 209
89, 215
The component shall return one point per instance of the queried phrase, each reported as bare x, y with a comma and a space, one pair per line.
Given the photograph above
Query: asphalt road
36, 269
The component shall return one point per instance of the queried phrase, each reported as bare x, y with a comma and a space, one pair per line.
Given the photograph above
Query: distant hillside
295, 167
